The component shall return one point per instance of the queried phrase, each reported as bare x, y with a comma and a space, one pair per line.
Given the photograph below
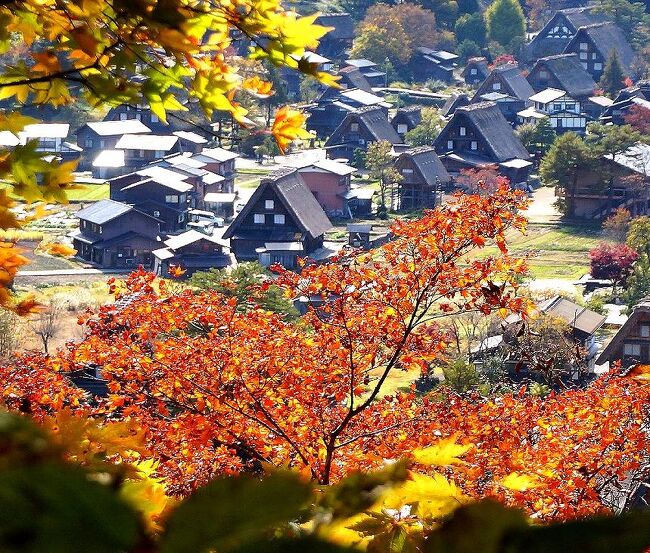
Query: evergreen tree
467, 49
613, 77
505, 21
471, 27
469, 6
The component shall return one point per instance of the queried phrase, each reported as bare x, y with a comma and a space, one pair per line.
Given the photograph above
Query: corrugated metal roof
103, 211
114, 128
150, 142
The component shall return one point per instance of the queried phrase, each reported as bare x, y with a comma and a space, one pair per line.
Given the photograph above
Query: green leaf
231, 511
477, 527
395, 541
298, 545
55, 508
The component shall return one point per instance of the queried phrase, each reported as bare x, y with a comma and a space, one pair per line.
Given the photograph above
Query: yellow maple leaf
443, 453
260, 88
57, 249
519, 482
288, 126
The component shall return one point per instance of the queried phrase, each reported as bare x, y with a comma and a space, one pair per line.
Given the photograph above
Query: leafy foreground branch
63, 496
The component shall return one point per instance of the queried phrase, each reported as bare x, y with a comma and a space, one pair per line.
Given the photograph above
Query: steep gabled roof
574, 315
45, 130
580, 17
215, 154
479, 63
103, 211
296, 198
190, 237
490, 123
624, 331
342, 23
413, 114
568, 70
353, 78
428, 164
374, 120
118, 128
454, 102
511, 76
606, 37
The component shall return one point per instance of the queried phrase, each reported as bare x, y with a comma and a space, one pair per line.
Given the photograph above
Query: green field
558, 252
89, 193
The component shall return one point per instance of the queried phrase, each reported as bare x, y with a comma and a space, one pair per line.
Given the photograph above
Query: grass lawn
558, 252
89, 193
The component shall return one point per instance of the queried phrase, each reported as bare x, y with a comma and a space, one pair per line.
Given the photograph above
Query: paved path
70, 272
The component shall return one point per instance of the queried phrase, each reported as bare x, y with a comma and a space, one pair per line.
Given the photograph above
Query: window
259, 218
171, 198
543, 74
450, 144
156, 213
598, 66
278, 219
154, 118
89, 143
557, 107
123, 116
472, 71
474, 145
407, 171
462, 131
496, 86
583, 55
269, 204
594, 56
645, 331
159, 153
570, 106
584, 65
354, 127
584, 46
138, 116
402, 128
632, 349
181, 217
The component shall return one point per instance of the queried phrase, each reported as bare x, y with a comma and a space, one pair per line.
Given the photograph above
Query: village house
280, 222
291, 78
423, 178
427, 63
192, 251
220, 162
50, 136
476, 71
631, 344
563, 112
165, 199
370, 70
222, 204
141, 150
406, 119
564, 72
94, 137
638, 94
593, 45
142, 113
351, 77
479, 135
593, 198
559, 30
454, 102
357, 130
582, 323
115, 235
190, 141
508, 105
335, 43
329, 182
505, 79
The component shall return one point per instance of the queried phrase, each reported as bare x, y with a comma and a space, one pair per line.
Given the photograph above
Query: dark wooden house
126, 112
637, 95
423, 178
335, 43
479, 135
594, 198
476, 71
358, 129
370, 70
406, 119
329, 182
454, 102
116, 235
280, 222
352, 77
97, 136
594, 44
563, 72
559, 30
631, 344
505, 79
509, 105
220, 162
192, 251
162, 198
427, 63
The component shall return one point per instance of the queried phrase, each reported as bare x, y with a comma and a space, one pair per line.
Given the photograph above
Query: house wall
635, 339
327, 189
131, 221
473, 75
141, 113
541, 78
349, 140
451, 139
588, 55
413, 191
